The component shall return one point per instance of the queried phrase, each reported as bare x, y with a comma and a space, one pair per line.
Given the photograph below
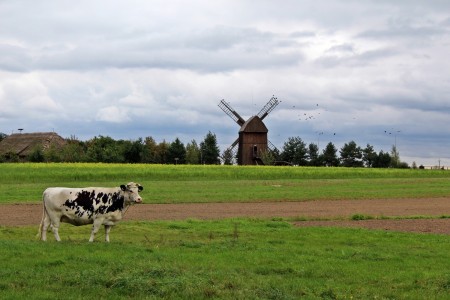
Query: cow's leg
55, 228
44, 228
107, 230
95, 228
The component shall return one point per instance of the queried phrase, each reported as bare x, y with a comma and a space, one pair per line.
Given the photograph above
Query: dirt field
30, 214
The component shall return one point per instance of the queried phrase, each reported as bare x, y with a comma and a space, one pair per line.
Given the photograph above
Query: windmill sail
231, 112
232, 149
273, 102
271, 146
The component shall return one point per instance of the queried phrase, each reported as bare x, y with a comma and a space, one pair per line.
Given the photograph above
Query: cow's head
131, 192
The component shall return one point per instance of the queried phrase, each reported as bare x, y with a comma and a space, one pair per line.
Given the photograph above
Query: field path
31, 214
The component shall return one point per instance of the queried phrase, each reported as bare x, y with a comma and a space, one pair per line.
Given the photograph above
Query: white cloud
26, 94
133, 69
113, 114
137, 98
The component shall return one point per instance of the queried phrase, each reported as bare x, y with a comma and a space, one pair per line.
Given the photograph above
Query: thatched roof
23, 144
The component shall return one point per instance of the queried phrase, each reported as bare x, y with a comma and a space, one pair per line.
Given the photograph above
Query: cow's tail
44, 215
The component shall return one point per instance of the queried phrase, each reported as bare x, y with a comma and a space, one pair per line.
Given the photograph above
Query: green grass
183, 183
227, 259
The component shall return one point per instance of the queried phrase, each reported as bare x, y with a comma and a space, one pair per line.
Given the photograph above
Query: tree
104, 149
162, 152
37, 155
313, 155
351, 155
268, 157
52, 153
395, 157
228, 157
276, 153
10, 156
74, 151
369, 156
383, 160
294, 151
149, 150
176, 153
329, 157
209, 151
133, 151
192, 153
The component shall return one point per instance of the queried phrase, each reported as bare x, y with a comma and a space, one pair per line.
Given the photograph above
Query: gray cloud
213, 50
405, 31
133, 69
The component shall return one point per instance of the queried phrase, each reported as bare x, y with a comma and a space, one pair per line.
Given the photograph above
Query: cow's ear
123, 187
140, 188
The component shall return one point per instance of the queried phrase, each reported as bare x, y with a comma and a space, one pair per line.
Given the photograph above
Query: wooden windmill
252, 140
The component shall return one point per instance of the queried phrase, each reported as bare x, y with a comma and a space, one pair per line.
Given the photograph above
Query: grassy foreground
227, 259
184, 183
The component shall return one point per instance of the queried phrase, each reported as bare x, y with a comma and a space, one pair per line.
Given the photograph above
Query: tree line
294, 152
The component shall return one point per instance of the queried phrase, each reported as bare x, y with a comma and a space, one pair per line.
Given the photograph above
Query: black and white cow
82, 206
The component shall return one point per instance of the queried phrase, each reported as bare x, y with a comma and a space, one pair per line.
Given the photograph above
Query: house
23, 144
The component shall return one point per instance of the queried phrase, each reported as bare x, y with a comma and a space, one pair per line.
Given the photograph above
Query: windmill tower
252, 140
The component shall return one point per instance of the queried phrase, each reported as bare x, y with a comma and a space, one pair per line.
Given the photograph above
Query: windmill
252, 140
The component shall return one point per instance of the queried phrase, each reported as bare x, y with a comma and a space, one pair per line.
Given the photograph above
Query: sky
373, 72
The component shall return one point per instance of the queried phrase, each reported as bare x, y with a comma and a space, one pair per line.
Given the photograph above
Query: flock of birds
306, 116
309, 116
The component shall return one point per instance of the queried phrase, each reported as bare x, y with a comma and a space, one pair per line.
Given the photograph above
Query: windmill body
252, 141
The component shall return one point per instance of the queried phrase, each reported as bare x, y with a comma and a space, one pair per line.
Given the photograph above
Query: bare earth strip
30, 214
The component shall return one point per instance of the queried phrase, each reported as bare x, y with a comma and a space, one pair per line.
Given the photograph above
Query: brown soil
31, 214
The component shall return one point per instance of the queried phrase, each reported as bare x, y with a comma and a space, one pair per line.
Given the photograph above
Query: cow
82, 206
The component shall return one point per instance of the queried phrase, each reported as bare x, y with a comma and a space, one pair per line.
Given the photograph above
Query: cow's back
55, 197
77, 205
59, 195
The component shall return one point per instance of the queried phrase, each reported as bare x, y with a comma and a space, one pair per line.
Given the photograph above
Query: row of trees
107, 150
294, 151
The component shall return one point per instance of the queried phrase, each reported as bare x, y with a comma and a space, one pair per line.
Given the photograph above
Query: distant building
252, 142
23, 144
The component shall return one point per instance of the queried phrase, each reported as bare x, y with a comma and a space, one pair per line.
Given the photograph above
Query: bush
36, 156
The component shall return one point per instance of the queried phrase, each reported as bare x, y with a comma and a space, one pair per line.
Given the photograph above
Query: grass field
182, 183
226, 259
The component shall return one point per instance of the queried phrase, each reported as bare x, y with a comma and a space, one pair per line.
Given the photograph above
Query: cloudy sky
374, 72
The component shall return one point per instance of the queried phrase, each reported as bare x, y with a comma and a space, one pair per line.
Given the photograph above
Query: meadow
227, 259
186, 184
224, 259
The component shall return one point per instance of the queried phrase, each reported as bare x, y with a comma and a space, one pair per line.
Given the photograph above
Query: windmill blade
273, 102
231, 112
234, 144
271, 146
232, 148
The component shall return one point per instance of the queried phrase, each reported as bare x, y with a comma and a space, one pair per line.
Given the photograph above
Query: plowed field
31, 214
